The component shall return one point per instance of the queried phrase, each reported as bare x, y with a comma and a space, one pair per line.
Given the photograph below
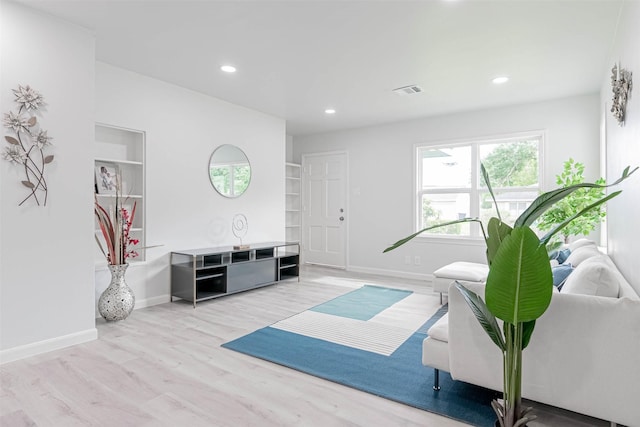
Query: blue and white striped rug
370, 339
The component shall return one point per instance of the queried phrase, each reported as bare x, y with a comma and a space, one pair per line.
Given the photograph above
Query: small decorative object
118, 300
105, 178
240, 226
621, 85
27, 147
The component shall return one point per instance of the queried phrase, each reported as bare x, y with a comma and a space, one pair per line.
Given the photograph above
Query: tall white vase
118, 300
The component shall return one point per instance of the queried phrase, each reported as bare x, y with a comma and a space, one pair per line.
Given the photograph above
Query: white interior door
324, 209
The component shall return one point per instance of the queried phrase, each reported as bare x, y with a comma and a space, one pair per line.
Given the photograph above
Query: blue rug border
481, 414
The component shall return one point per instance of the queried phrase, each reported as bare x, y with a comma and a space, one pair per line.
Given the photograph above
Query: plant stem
512, 366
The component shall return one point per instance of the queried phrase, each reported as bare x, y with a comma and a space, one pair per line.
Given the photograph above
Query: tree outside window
231, 179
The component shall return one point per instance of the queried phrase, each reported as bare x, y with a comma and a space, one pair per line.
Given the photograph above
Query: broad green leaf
545, 239
444, 224
527, 330
497, 231
486, 319
546, 200
519, 284
485, 175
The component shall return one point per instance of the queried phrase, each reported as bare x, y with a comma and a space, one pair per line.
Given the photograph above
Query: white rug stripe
368, 336
409, 313
383, 334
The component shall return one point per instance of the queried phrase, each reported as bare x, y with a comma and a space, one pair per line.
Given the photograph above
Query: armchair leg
436, 378
440, 298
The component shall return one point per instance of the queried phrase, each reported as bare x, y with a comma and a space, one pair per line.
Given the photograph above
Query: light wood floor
164, 366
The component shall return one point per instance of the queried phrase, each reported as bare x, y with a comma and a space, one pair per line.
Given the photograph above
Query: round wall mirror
229, 170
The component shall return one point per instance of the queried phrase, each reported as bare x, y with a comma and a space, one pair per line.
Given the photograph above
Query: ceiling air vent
408, 90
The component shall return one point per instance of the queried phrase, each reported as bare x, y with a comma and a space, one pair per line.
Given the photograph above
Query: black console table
202, 274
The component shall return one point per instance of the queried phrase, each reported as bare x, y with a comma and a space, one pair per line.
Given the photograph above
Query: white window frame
475, 191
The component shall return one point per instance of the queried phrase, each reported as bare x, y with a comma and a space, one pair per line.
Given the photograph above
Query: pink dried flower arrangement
115, 226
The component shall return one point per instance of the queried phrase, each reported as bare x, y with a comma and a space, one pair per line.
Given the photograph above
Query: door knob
341, 218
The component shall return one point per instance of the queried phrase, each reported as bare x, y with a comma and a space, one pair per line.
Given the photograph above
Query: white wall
289, 150
183, 210
381, 173
46, 274
623, 149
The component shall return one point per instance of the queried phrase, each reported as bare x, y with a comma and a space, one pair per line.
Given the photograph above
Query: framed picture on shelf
106, 178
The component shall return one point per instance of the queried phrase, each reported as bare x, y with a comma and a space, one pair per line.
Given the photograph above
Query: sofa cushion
582, 253
560, 255
594, 276
580, 243
440, 330
466, 271
560, 274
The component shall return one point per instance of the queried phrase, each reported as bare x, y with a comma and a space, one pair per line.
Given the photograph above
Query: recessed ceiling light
500, 80
330, 111
228, 68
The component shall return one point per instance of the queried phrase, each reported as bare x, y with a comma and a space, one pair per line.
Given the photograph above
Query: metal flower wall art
621, 86
28, 142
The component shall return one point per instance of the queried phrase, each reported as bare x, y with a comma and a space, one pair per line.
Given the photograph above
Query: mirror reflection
229, 170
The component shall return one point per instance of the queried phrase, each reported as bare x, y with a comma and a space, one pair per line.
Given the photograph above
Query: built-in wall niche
121, 152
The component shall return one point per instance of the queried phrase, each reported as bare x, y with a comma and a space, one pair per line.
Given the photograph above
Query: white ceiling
297, 58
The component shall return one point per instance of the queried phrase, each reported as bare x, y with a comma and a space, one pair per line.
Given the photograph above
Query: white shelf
124, 196
131, 230
117, 161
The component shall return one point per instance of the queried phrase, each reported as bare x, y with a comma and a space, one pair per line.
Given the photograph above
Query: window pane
439, 208
446, 167
510, 203
221, 178
241, 178
511, 164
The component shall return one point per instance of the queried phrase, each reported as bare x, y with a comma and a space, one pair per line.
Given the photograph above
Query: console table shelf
202, 274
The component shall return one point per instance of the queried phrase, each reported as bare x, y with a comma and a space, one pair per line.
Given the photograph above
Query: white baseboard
392, 273
147, 302
33, 349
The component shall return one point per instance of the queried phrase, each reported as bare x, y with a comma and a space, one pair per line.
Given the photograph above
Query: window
450, 185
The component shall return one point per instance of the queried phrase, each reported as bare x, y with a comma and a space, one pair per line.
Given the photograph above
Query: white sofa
584, 354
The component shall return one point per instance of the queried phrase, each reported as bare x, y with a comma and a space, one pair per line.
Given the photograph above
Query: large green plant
519, 286
575, 202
